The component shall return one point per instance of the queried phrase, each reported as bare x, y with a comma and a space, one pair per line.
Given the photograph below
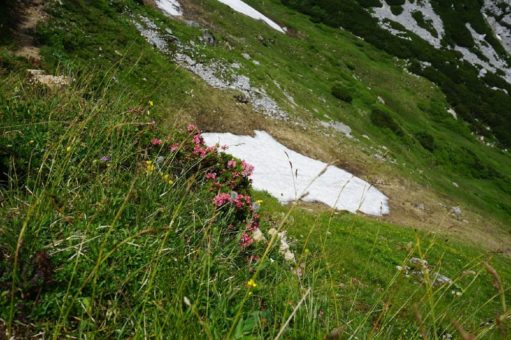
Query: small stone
456, 211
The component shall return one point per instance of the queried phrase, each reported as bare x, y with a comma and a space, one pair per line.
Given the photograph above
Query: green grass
107, 250
306, 67
94, 249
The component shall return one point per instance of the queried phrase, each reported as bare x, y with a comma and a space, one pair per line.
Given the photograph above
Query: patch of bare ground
32, 13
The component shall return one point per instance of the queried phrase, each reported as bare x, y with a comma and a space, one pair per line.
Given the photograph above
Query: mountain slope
448, 42
113, 224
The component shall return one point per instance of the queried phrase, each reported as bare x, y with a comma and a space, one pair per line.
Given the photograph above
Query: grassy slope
351, 267
306, 68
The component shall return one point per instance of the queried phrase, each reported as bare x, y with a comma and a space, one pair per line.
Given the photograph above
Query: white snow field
243, 8
273, 173
171, 7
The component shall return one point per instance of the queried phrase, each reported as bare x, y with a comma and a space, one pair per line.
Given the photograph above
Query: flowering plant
226, 178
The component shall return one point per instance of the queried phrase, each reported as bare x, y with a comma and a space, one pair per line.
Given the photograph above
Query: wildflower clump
225, 178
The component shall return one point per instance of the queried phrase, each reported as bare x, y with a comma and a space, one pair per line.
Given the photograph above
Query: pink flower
231, 164
211, 175
246, 240
253, 226
174, 147
247, 169
156, 141
221, 199
241, 200
197, 139
198, 150
191, 128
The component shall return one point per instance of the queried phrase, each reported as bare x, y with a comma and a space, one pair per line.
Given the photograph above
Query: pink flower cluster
211, 175
246, 240
156, 141
240, 201
199, 147
224, 174
221, 199
247, 169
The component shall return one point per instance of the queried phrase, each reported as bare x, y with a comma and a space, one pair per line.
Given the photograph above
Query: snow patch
171, 7
243, 8
308, 179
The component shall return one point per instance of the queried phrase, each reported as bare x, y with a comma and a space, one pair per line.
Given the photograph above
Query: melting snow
321, 183
171, 7
243, 8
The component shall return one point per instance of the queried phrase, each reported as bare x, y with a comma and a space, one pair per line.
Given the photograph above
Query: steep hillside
380, 201
454, 44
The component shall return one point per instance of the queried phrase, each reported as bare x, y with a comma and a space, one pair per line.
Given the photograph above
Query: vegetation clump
426, 140
342, 92
383, 119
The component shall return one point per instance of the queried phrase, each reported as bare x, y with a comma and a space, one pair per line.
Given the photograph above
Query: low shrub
342, 92
426, 140
384, 120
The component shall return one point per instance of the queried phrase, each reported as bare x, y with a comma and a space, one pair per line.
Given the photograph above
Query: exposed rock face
484, 56
406, 19
498, 15
215, 73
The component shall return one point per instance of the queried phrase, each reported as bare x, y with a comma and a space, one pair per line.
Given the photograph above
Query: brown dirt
32, 13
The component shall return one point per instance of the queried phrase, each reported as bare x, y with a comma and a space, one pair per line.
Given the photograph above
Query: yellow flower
151, 103
68, 149
259, 202
149, 166
251, 284
167, 179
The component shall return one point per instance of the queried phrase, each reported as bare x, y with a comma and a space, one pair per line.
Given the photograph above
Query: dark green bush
395, 2
342, 92
396, 10
426, 140
383, 119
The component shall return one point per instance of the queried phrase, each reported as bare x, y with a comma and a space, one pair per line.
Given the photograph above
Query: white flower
289, 256
272, 231
258, 235
399, 268
187, 301
284, 246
